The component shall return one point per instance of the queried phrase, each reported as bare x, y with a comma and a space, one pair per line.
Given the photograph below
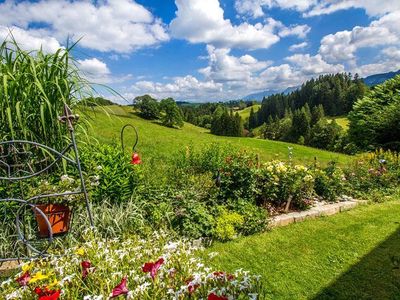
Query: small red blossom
191, 286
136, 159
46, 294
86, 265
152, 267
213, 296
120, 289
24, 279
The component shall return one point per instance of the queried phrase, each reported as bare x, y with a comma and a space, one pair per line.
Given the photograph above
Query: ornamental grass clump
135, 268
34, 86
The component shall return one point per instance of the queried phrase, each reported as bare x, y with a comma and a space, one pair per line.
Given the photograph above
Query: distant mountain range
379, 78
370, 81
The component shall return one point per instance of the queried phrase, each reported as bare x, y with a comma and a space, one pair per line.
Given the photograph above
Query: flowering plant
154, 268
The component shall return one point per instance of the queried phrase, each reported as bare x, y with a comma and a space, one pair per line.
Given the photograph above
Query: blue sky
211, 50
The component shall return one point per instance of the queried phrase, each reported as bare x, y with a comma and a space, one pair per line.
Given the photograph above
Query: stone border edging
314, 212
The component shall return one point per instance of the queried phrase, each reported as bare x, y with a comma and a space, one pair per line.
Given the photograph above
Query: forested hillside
336, 93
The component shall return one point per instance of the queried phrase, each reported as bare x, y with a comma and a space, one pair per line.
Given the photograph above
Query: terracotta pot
59, 216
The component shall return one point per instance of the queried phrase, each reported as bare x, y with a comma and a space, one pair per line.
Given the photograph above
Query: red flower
191, 287
136, 159
24, 279
86, 265
212, 296
120, 289
46, 294
152, 267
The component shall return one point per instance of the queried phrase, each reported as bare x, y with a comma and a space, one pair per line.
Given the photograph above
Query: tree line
335, 92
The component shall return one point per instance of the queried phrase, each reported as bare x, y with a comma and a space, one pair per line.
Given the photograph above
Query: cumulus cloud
186, 88
109, 25
299, 46
30, 39
224, 67
309, 8
254, 8
202, 21
342, 46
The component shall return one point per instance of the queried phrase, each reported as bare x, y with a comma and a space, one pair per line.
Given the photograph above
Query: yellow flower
51, 285
37, 277
80, 251
27, 267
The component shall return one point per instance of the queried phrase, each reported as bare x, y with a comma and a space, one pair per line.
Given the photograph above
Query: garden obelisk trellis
21, 160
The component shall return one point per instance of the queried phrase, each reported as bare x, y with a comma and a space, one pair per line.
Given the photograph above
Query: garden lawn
352, 255
160, 143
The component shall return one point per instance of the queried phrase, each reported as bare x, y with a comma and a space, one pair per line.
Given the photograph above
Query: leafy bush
329, 182
374, 121
255, 217
116, 177
227, 223
279, 182
153, 268
238, 177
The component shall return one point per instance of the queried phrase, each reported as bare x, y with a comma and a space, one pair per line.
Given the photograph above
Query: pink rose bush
135, 268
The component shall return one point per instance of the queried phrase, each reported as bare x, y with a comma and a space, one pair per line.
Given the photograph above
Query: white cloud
93, 66
202, 21
392, 53
309, 8
254, 8
30, 39
110, 25
371, 7
299, 46
342, 46
181, 88
224, 67
314, 65
300, 31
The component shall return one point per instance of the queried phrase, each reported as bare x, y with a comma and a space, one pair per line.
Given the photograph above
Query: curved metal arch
60, 155
136, 136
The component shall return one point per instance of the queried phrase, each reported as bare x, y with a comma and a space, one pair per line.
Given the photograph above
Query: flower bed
136, 269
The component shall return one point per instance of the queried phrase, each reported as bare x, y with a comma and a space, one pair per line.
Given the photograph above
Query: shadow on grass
375, 276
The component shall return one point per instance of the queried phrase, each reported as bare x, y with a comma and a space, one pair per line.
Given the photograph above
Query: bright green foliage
172, 114
117, 178
226, 224
375, 119
324, 134
149, 107
34, 86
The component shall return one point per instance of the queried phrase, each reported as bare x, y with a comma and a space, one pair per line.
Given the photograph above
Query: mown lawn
352, 255
160, 143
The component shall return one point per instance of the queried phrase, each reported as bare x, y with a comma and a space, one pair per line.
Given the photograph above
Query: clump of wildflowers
135, 268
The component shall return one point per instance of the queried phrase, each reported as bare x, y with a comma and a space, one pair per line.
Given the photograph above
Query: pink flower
136, 159
152, 268
120, 289
46, 294
86, 265
24, 279
212, 296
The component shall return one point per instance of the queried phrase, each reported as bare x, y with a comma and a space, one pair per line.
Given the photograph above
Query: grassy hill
342, 121
245, 113
159, 144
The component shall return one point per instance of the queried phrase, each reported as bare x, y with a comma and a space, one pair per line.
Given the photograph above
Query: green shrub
227, 224
255, 217
278, 182
117, 178
238, 177
329, 182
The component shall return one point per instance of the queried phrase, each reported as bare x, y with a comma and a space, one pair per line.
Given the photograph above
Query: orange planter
58, 215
